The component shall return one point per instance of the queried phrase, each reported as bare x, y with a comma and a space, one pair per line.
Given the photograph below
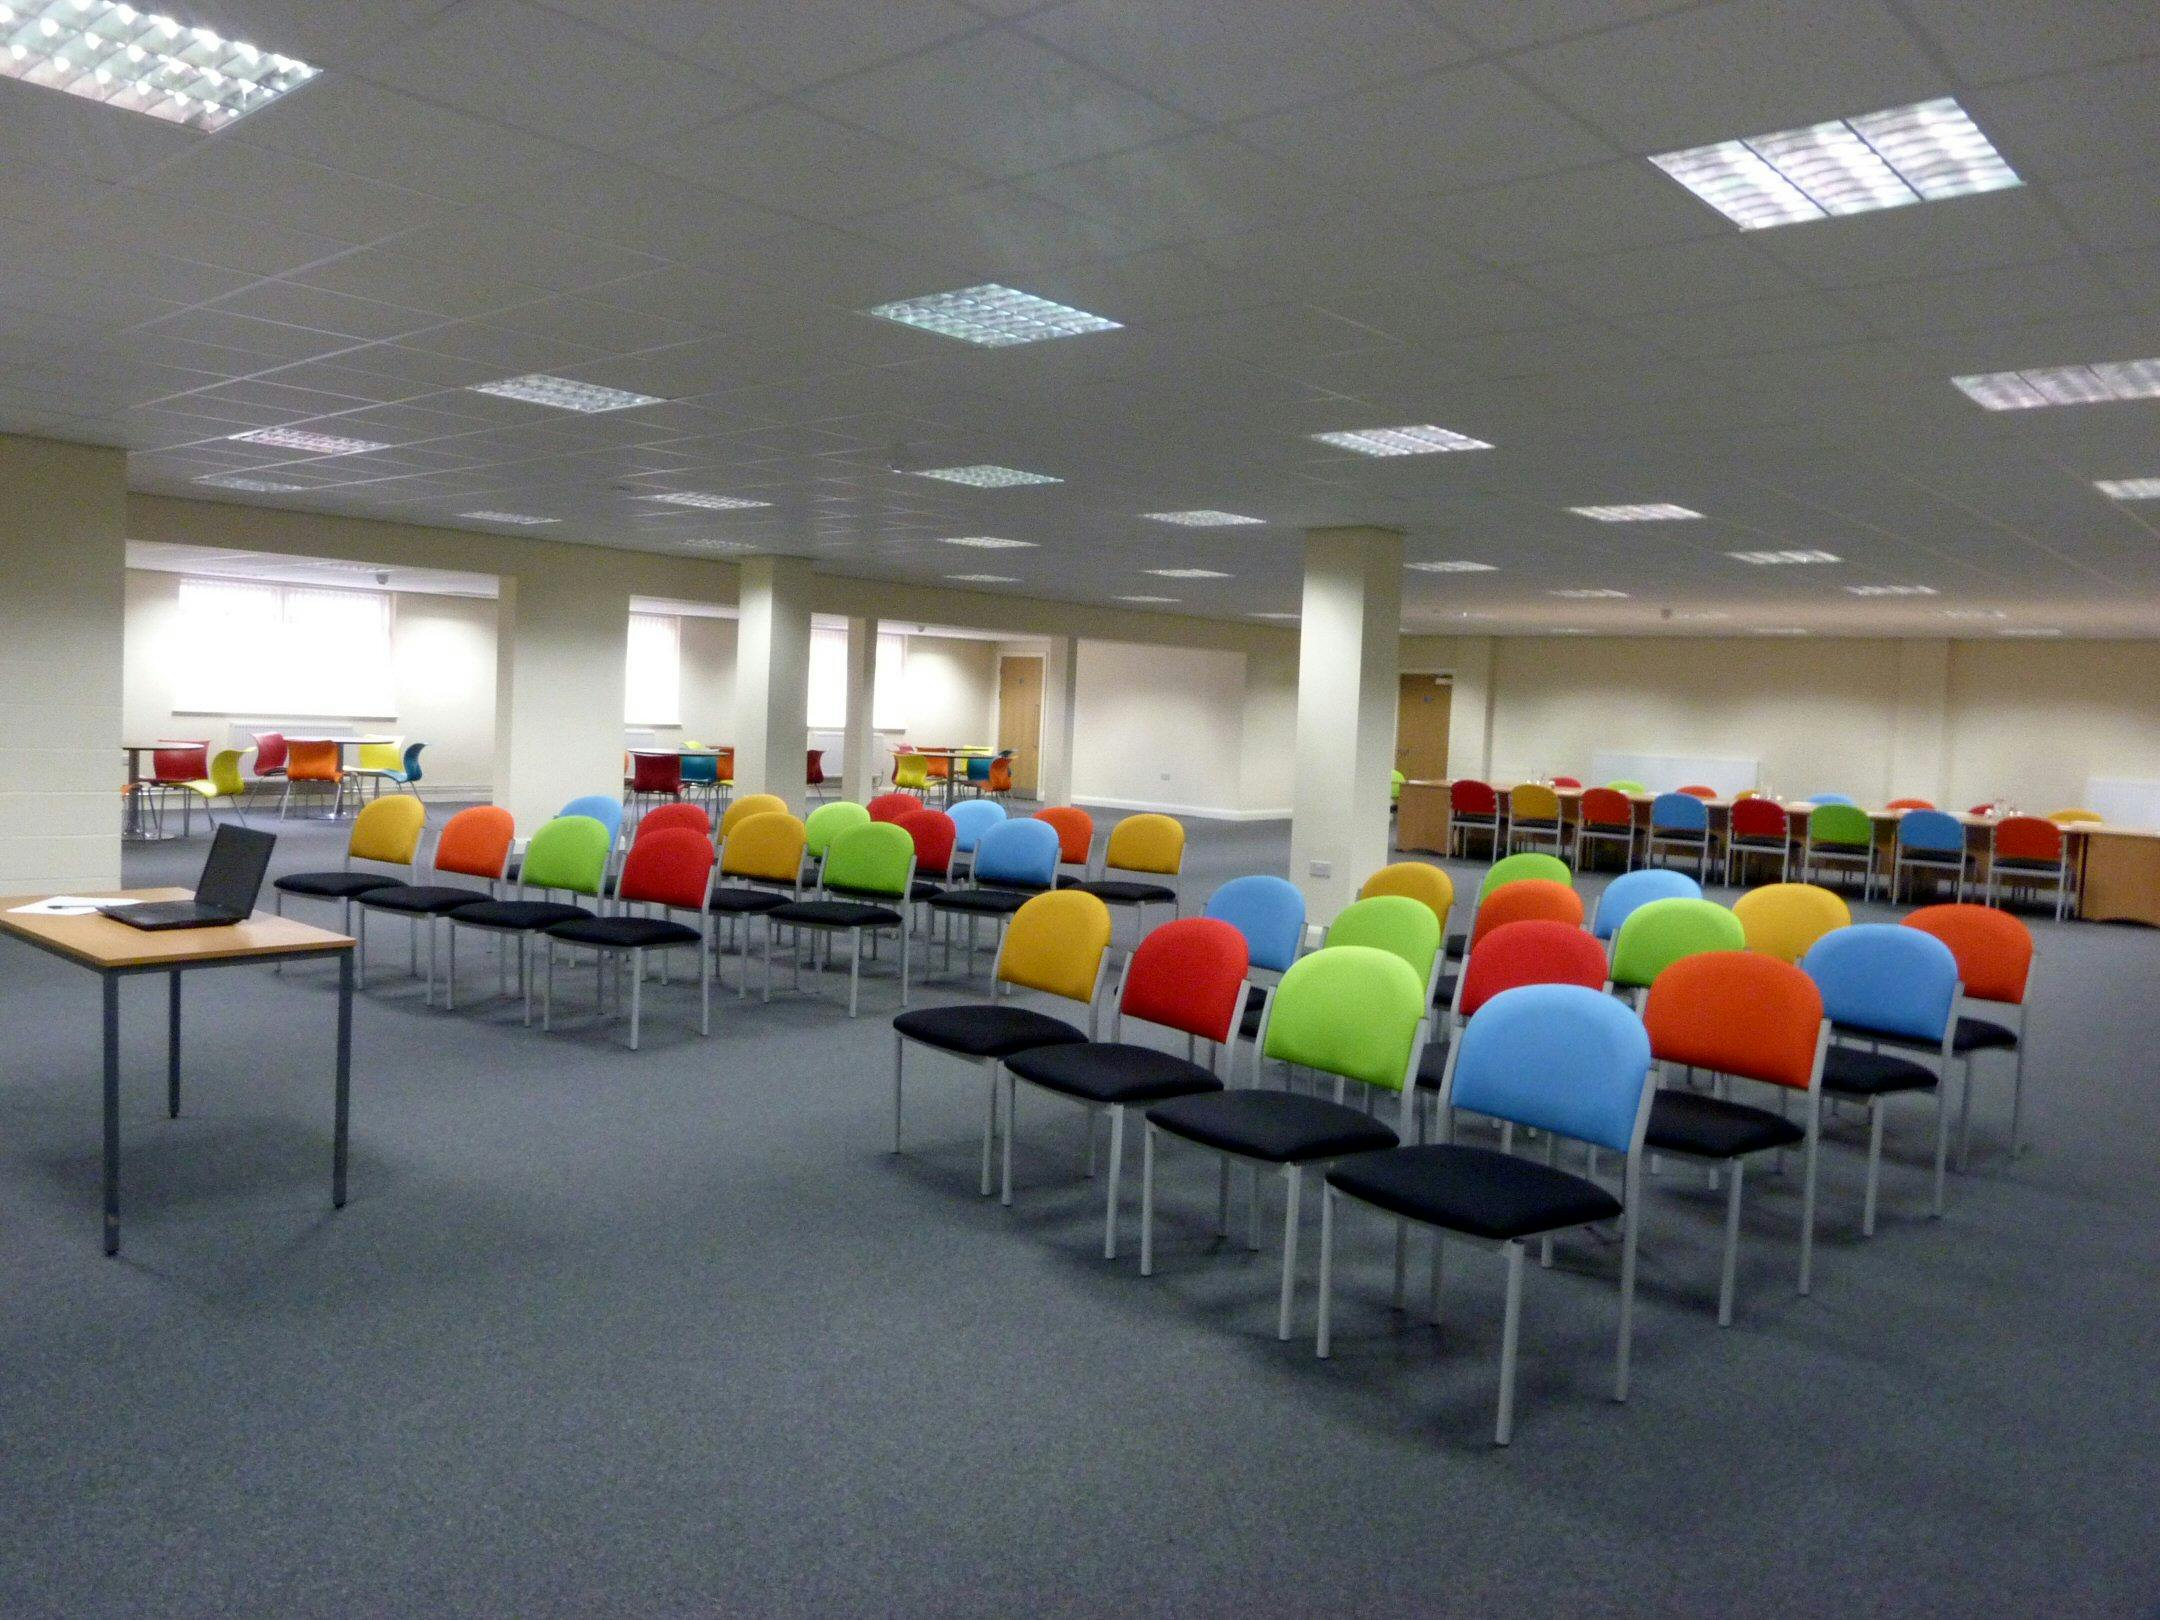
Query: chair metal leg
1942, 1133
1874, 1167
1732, 1244
1294, 1176
1012, 1108
704, 989
899, 1050
990, 1123
1510, 1329
1807, 1207
1321, 1345
1147, 1197
2017, 1094
1630, 1224
1117, 1163
1432, 1284
637, 987
854, 971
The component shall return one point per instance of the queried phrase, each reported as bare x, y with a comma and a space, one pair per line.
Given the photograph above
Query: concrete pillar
560, 644
1919, 765
63, 556
772, 678
1470, 710
1349, 650
1061, 678
858, 742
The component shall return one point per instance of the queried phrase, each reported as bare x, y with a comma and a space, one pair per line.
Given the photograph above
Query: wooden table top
97, 941
2073, 829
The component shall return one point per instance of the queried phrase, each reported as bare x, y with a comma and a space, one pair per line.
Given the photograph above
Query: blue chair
1929, 841
972, 818
1680, 821
1830, 798
403, 775
701, 777
1270, 913
1633, 889
1557, 1058
1014, 861
978, 772
1886, 985
606, 810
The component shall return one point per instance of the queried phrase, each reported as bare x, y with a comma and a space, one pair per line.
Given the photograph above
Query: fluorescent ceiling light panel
1185, 573
706, 542
704, 502
565, 394
992, 316
1779, 559
2029, 632
1416, 440
254, 486
1147, 599
143, 61
984, 579
1891, 590
1202, 519
1275, 615
2129, 489
1655, 512
1776, 630
986, 475
525, 519
1591, 595
1700, 618
2096, 384
985, 542
314, 444
1454, 566
1922, 153
1975, 615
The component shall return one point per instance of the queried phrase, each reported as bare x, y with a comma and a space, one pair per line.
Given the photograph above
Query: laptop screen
233, 875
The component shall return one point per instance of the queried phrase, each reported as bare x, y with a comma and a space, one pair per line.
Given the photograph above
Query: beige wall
951, 690
2033, 721
1158, 728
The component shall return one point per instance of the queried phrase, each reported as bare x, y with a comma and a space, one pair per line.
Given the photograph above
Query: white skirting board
1205, 812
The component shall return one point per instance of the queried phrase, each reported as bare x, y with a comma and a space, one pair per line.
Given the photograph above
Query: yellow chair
379, 760
223, 782
911, 773
763, 853
1534, 818
386, 833
1417, 881
1784, 919
2070, 818
750, 804
1150, 844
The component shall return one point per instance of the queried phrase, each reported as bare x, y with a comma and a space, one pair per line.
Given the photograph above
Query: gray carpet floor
672, 1334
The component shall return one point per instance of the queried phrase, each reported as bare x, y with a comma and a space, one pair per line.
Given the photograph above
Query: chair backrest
1147, 843
1567, 781
978, 768
1469, 797
1829, 798
876, 859
2028, 838
829, 821
570, 853
1075, 830
970, 818
933, 834
1555, 1057
476, 842
412, 761
1842, 824
1937, 831
1537, 899
1395, 786
1698, 790
671, 867
1055, 944
1994, 950
1529, 864
1530, 952
1886, 978
814, 768
269, 752
1734, 1012
1632, 889
655, 773
2071, 817
1679, 812
388, 831
767, 846
1626, 784
1910, 804
225, 773
381, 756
1784, 920
892, 806
700, 767
604, 808
1533, 801
1189, 975
1416, 881
724, 764
1268, 911
315, 760
1350, 1010
662, 817
1660, 933
1758, 818
750, 804
911, 771
1606, 807
1020, 854
1394, 923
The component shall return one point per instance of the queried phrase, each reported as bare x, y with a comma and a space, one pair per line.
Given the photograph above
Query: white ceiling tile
2112, 211
1182, 189
1599, 209
823, 169
327, 35
1984, 298
1510, 24
152, 223
295, 304
1960, 233
605, 199
1001, 230
391, 273
1717, 269
1987, 42
781, 45
40, 128
232, 178
2065, 126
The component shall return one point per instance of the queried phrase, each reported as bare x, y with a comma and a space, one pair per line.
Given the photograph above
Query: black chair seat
987, 1029
1249, 1022
518, 915
981, 902
1971, 1035
1714, 1128
625, 933
1112, 1072
1432, 1063
335, 885
1475, 1190
835, 914
748, 902
1444, 992
1458, 947
1279, 1127
419, 899
1535, 823
2027, 863
1680, 835
1120, 892
925, 889
1850, 1072
1767, 841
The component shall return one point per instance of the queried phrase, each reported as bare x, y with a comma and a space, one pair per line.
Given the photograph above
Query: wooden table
114, 951
2118, 873
951, 757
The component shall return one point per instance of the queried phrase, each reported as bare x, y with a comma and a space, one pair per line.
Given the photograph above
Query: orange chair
1001, 784
1994, 954
1696, 790
1076, 833
2030, 852
474, 843
1567, 782
1531, 900
1758, 827
1473, 807
1909, 804
319, 762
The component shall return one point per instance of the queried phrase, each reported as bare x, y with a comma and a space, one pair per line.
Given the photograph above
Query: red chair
1758, 827
672, 870
1566, 782
678, 814
655, 776
1605, 815
1076, 833
814, 773
269, 756
1909, 804
2030, 852
1531, 950
1981, 810
935, 835
1696, 790
1473, 806
172, 765
892, 806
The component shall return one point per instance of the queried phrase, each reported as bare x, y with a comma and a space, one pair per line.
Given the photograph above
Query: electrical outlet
1320, 869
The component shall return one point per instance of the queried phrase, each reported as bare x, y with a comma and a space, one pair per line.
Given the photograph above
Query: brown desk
114, 951
2118, 873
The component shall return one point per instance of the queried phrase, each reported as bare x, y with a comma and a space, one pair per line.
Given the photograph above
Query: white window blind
242, 647
652, 671
828, 681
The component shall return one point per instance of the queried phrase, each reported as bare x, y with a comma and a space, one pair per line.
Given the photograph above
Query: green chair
1397, 924
1661, 932
1840, 835
1626, 785
827, 822
1395, 782
1529, 864
223, 782
569, 855
864, 885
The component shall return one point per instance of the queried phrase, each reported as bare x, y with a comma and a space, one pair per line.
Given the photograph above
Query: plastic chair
269, 753
1626, 784
655, 776
1001, 778
571, 855
1515, 868
1679, 821
1739, 1016
1534, 817
1395, 923
1473, 807
679, 814
701, 776
1839, 835
1076, 833
604, 808
1883, 982
814, 771
221, 781
892, 806
1698, 790
1632, 890
2071, 818
750, 804
315, 763
1784, 920
1605, 816
760, 870
1414, 880
1567, 782
672, 869
1556, 1058
1269, 912
1994, 954
1933, 841
1149, 845
1533, 899
474, 843
2029, 852
1830, 798
978, 772
1187, 976
1909, 804
1757, 826
1349, 1011
865, 883
911, 773
1662, 932
385, 833
934, 837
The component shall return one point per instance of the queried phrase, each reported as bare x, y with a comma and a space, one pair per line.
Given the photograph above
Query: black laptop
231, 878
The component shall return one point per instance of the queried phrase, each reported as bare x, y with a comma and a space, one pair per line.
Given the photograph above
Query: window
828, 681
242, 647
652, 671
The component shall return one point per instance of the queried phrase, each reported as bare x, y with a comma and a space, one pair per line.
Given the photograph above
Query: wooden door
1020, 691
1421, 726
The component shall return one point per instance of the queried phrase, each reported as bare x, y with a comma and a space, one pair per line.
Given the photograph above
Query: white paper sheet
68, 905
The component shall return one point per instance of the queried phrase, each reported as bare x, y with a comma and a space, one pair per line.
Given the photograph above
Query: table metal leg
172, 1045
342, 1129
112, 1113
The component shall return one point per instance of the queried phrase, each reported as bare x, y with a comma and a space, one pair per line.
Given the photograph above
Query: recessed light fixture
704, 502
1275, 615
1779, 559
565, 394
314, 444
254, 486
1455, 566
2096, 384
2129, 489
1975, 615
1891, 590
142, 61
706, 542
523, 519
1776, 630
992, 316
1185, 573
1202, 519
1568, 630
986, 475
1700, 618
1921, 153
1415, 440
1147, 599
2029, 632
985, 542
1591, 595
984, 579
1654, 512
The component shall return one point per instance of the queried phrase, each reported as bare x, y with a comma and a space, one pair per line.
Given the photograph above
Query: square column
772, 678
858, 742
561, 642
1061, 669
1348, 653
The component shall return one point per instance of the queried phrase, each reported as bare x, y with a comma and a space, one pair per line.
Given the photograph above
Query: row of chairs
982, 775
190, 773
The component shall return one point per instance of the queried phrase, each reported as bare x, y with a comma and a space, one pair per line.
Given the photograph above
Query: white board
2124, 801
1665, 773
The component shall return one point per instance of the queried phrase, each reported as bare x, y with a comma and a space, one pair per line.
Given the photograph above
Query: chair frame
2060, 876
523, 936
1738, 849
1943, 1056
1925, 859
902, 902
435, 874
1605, 832
1813, 856
615, 957
1698, 840
1535, 832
